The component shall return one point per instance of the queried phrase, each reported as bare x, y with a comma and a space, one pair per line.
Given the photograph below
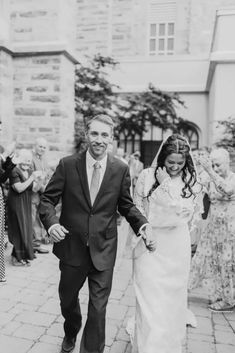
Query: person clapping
20, 230
214, 261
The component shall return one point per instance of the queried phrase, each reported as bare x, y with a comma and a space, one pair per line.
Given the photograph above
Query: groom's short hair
103, 119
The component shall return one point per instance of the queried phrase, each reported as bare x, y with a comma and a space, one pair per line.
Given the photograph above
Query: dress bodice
167, 206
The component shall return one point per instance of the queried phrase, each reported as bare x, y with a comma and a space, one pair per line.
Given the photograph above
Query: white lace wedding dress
160, 278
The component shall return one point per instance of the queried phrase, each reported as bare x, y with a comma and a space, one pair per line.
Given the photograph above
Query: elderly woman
20, 230
213, 264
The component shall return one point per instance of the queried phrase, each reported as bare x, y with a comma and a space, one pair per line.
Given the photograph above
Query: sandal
15, 262
221, 307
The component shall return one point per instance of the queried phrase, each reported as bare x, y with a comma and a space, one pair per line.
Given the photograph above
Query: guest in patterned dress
213, 264
6, 166
20, 229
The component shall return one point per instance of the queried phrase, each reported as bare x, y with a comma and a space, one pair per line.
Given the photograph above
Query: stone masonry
37, 73
44, 39
6, 94
43, 99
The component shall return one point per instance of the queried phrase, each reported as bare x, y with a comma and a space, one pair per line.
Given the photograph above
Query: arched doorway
132, 141
191, 131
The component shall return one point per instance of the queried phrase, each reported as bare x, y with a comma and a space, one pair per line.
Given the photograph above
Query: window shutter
162, 11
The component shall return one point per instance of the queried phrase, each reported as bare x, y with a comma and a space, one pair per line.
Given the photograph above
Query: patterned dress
213, 264
5, 170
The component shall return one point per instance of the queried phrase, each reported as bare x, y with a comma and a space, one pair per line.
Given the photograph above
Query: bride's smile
174, 163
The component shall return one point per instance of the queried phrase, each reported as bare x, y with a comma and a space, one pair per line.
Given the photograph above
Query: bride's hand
185, 212
151, 246
161, 174
147, 236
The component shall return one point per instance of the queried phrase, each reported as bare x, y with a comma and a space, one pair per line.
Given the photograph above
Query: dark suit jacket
97, 224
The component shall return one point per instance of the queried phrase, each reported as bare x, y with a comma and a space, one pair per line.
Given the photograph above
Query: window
162, 16
191, 131
161, 41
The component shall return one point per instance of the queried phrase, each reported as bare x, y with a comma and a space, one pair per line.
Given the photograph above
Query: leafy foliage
132, 113
227, 139
94, 94
151, 106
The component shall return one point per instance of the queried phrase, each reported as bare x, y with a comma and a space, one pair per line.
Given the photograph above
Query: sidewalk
30, 320
215, 332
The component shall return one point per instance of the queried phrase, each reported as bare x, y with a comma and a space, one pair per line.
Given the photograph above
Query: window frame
157, 37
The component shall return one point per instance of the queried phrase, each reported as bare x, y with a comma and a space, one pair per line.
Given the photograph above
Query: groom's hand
147, 236
57, 232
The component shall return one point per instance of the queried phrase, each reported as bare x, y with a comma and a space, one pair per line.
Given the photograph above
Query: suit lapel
106, 178
81, 168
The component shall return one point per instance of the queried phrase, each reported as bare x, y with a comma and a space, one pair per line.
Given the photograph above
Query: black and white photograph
117, 176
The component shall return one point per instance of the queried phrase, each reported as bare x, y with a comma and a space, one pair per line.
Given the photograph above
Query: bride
165, 194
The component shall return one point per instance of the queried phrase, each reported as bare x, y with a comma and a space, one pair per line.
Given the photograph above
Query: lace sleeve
135, 246
140, 194
167, 207
165, 191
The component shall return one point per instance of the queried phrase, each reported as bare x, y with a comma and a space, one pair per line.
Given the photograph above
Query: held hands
58, 232
147, 236
161, 174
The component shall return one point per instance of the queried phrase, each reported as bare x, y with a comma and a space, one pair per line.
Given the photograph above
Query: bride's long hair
177, 144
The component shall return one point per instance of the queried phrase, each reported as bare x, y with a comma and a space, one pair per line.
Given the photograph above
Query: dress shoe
68, 344
41, 251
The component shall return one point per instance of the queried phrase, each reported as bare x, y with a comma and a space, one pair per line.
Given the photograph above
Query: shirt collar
91, 161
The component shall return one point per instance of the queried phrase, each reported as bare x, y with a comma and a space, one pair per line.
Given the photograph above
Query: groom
92, 186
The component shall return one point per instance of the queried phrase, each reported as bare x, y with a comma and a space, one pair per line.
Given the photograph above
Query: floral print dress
213, 264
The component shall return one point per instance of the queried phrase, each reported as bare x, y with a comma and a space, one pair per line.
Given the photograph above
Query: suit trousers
99, 284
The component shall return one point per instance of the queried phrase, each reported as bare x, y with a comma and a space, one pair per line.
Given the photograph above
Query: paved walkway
30, 320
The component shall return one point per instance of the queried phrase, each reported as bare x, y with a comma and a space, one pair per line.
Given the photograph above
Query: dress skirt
160, 281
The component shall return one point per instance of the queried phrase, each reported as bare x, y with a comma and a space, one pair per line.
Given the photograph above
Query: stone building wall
33, 20
42, 38
120, 27
93, 26
43, 80
128, 20
6, 95
43, 100
182, 26
201, 26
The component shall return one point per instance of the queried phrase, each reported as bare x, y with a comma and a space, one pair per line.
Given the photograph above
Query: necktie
95, 179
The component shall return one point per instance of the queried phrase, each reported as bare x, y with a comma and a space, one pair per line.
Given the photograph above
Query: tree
227, 139
151, 106
132, 112
94, 94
